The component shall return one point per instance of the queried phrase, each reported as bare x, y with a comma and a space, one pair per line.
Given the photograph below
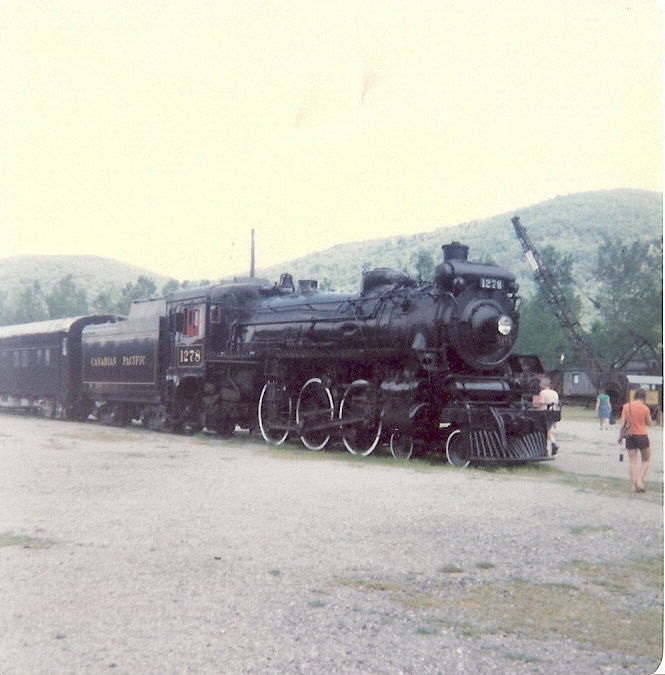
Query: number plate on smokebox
495, 284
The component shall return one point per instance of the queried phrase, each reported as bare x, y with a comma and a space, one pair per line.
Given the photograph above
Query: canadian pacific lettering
111, 361
136, 360
103, 361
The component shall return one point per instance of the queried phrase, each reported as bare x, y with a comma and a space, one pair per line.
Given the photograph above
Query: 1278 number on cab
190, 356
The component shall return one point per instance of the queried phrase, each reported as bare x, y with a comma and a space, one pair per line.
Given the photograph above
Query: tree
424, 264
67, 299
170, 286
630, 301
4, 314
26, 303
144, 287
104, 302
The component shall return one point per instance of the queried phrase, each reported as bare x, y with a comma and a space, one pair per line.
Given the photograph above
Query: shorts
637, 442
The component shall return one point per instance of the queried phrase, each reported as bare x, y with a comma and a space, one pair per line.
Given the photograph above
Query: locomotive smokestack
455, 251
251, 257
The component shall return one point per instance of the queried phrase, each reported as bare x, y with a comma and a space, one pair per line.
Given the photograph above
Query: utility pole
251, 258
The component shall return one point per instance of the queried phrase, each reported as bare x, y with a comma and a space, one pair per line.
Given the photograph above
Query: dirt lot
125, 551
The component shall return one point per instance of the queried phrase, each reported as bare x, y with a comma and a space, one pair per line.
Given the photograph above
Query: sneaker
555, 448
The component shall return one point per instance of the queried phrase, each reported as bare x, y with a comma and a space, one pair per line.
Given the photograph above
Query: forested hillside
34, 288
92, 273
576, 225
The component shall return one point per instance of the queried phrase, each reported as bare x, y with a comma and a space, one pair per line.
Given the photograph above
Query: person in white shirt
549, 400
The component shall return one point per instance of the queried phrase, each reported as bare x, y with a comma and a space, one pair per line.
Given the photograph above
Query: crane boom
560, 305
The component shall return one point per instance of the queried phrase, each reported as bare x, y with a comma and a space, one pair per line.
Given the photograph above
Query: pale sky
160, 133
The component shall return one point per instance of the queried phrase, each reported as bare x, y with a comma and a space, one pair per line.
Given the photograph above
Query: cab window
192, 321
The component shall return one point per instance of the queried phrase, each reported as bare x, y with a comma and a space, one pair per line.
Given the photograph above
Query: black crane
560, 305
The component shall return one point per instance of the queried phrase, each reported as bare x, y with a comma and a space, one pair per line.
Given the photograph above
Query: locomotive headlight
504, 325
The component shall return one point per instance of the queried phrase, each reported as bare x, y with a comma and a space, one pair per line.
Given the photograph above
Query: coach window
47, 356
24, 358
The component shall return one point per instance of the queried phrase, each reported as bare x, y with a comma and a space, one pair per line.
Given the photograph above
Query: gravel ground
125, 551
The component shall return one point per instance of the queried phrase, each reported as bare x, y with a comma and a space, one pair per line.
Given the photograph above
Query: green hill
576, 224
93, 273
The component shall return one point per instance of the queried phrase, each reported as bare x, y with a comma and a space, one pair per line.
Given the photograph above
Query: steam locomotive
417, 366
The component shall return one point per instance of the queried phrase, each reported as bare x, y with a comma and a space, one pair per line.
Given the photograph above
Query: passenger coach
40, 365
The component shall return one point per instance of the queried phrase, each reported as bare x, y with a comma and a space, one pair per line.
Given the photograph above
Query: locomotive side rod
323, 426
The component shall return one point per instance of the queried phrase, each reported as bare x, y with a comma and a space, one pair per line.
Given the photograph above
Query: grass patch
608, 486
576, 413
8, 539
583, 529
448, 622
451, 569
519, 580
485, 565
427, 630
520, 656
415, 600
377, 458
538, 469
619, 576
477, 631
560, 584
375, 585
563, 611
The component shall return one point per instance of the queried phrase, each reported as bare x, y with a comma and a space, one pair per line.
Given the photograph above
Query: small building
575, 386
652, 385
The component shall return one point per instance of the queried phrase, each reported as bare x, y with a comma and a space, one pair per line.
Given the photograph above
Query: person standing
636, 416
604, 410
549, 400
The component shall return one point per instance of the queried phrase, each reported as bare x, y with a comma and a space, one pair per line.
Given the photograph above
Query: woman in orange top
637, 417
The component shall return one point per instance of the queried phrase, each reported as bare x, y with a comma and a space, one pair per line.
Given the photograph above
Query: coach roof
52, 325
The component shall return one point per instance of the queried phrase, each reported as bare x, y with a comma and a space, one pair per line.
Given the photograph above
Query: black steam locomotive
414, 365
